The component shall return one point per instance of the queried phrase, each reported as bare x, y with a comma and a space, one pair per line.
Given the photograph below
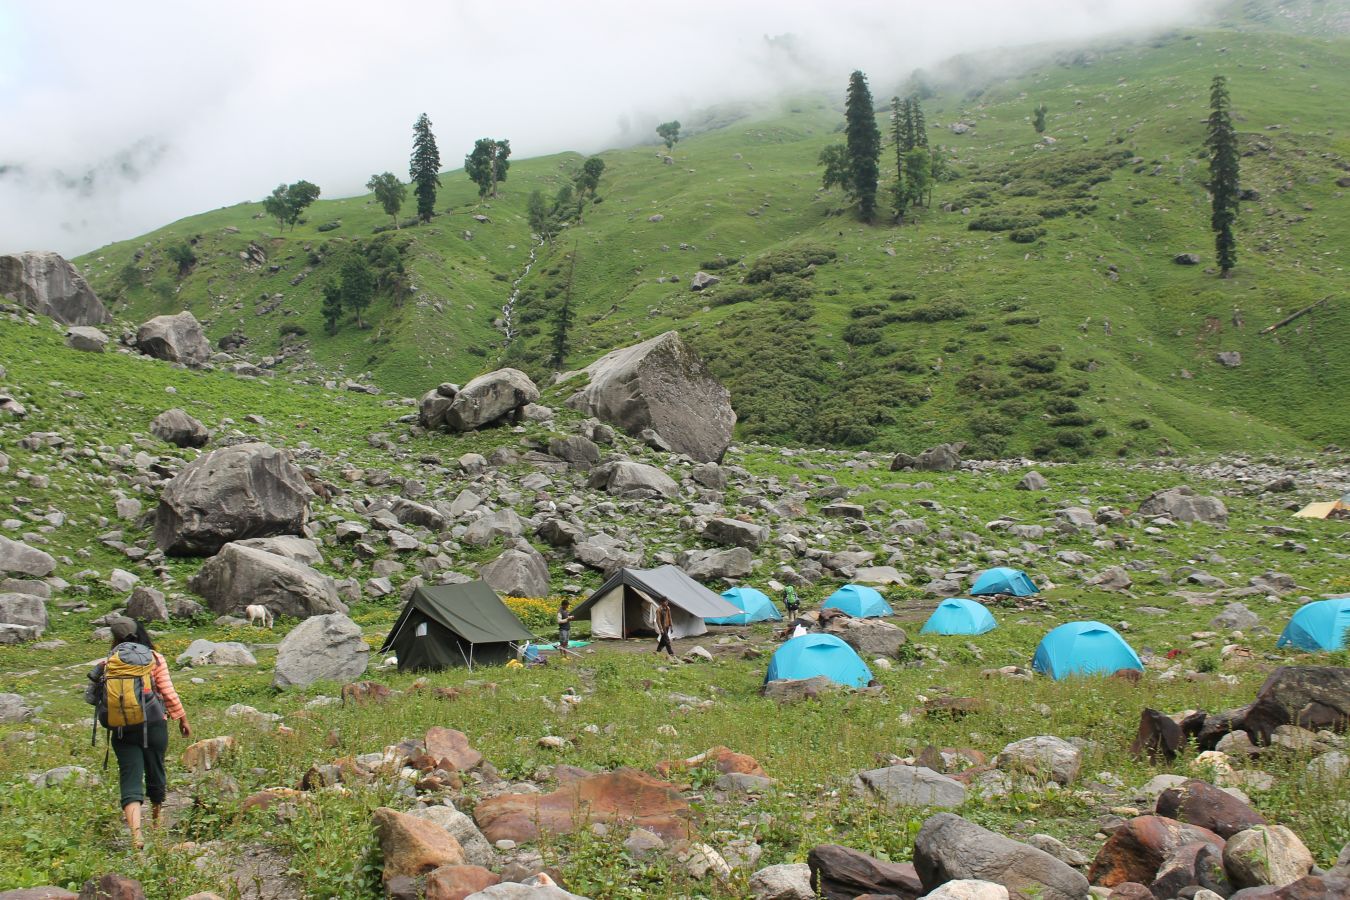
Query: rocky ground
183, 493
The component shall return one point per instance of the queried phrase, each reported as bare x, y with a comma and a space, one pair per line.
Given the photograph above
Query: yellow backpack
125, 694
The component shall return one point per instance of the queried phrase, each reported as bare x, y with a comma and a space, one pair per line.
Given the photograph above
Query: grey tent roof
667, 582
473, 611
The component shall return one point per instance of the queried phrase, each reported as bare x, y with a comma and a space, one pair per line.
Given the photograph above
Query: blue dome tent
1083, 648
1003, 580
1320, 625
754, 604
818, 654
858, 601
959, 616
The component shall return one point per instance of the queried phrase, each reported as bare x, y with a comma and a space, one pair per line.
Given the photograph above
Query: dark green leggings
140, 762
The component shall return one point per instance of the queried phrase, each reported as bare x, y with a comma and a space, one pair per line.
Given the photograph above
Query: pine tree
1039, 121
863, 144
332, 306
898, 108
1223, 175
487, 165
562, 319
536, 208
424, 168
919, 127
358, 285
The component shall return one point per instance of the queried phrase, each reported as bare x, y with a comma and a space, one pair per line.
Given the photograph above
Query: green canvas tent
446, 625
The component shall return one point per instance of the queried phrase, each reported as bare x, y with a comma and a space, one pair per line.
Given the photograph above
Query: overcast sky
121, 117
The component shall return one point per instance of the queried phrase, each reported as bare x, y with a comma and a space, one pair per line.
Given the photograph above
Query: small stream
509, 308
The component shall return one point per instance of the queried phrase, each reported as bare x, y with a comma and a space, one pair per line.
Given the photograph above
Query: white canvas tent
625, 605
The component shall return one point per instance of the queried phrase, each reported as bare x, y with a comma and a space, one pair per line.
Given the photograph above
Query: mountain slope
1087, 339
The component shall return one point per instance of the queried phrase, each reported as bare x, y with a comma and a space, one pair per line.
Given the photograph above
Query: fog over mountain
123, 118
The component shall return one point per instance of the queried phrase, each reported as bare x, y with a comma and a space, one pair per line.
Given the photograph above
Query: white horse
256, 613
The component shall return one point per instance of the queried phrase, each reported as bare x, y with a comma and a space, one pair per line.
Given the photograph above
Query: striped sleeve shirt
173, 707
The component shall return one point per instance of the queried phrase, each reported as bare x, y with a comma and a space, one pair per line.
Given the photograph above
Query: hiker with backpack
134, 700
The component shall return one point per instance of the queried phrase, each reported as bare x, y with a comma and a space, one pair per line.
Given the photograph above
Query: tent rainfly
1003, 580
1322, 625
1330, 509
754, 604
445, 625
625, 605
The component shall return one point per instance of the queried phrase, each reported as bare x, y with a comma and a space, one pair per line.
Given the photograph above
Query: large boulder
23, 617
905, 786
244, 491
487, 399
178, 428
841, 873
1136, 850
324, 648
1183, 504
1266, 854
949, 847
661, 385
870, 637
624, 796
86, 339
477, 850
504, 523
580, 452
1209, 807
1311, 697
178, 339
435, 403
735, 533
412, 846
787, 881
239, 576
1044, 756
47, 284
705, 565
17, 558
518, 572
632, 480
942, 458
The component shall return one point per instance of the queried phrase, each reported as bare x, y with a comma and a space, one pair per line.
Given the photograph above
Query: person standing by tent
564, 625
134, 699
790, 602
665, 626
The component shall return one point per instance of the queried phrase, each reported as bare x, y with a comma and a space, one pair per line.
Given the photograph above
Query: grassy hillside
1087, 339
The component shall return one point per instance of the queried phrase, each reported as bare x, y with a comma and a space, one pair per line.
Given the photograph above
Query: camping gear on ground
1329, 509
625, 605
755, 606
818, 654
1317, 626
446, 625
859, 601
1003, 580
959, 615
1084, 648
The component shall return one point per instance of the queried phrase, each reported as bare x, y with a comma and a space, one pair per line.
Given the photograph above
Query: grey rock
580, 452
710, 475
899, 786
239, 576
518, 573
789, 881
1032, 481
147, 604
705, 565
626, 478
244, 491
490, 398
1266, 854
1229, 358
26, 614
942, 458
177, 339
435, 404
1059, 850
950, 848
787, 689
1187, 259
323, 648
17, 558
1044, 756
174, 426
202, 652
477, 850
47, 284
1235, 617
735, 533
14, 709
410, 512
1183, 504
1112, 578
661, 384
288, 545
702, 280
504, 523
870, 637
86, 339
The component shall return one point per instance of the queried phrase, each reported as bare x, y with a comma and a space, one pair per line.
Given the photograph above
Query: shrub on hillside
294, 328
1002, 221
1026, 235
937, 311
790, 261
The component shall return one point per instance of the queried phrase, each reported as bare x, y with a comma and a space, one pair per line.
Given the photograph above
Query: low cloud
121, 118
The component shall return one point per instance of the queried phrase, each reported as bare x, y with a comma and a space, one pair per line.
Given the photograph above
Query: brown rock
452, 749
1196, 863
366, 692
265, 799
1137, 849
839, 873
1311, 887
458, 882
1203, 804
952, 707
623, 796
1130, 890
203, 755
112, 887
724, 760
413, 847
948, 760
